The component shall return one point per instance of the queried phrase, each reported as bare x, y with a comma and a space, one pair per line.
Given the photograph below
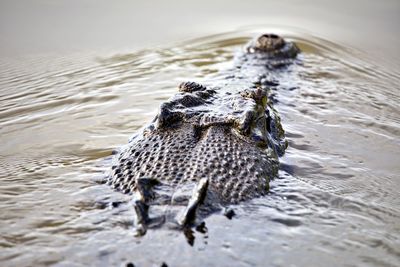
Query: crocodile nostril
271, 35
269, 42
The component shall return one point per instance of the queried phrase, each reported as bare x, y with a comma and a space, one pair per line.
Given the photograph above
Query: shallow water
335, 203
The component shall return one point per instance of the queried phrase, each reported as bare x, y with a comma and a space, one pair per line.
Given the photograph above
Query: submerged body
212, 144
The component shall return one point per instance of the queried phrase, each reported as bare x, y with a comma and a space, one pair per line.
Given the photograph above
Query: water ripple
61, 117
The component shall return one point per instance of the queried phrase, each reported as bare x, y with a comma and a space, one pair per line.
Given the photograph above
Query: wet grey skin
211, 145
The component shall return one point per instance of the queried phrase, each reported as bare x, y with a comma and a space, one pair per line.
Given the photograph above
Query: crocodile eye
167, 117
190, 87
258, 95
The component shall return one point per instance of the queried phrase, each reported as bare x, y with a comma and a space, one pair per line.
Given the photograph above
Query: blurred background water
78, 78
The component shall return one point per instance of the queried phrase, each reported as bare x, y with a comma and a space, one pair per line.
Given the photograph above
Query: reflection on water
335, 202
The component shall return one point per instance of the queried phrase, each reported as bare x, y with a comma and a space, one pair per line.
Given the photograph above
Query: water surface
335, 203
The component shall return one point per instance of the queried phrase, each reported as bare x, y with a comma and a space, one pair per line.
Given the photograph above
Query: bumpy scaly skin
225, 131
237, 169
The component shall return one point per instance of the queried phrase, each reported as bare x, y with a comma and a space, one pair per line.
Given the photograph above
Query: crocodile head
247, 113
240, 102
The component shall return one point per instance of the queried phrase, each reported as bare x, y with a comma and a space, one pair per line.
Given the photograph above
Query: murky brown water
336, 202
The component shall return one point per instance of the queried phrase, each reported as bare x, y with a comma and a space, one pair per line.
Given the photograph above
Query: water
335, 202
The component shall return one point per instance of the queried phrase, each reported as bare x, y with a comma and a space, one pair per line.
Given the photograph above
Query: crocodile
212, 144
